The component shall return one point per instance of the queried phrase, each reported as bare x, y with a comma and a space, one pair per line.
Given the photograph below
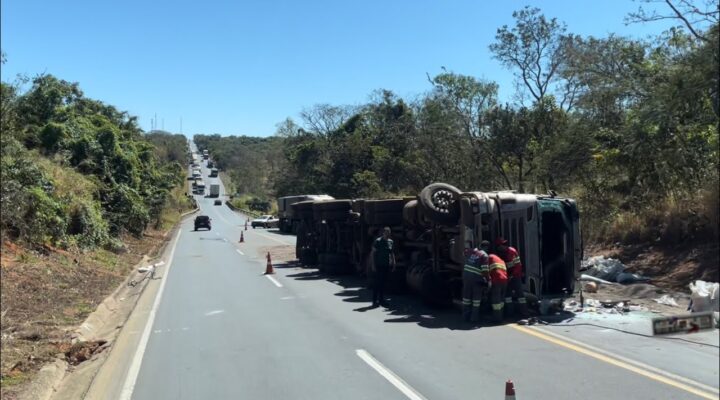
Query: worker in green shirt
383, 261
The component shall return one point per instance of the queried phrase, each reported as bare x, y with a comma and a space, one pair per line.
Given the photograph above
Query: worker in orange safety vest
514, 294
498, 283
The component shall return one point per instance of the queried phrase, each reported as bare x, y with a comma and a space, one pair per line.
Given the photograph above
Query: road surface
217, 328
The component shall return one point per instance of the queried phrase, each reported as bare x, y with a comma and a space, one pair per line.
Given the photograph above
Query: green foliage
105, 178
46, 217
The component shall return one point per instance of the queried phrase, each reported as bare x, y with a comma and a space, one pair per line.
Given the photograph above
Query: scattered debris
606, 269
626, 278
590, 278
590, 287
667, 300
83, 351
705, 296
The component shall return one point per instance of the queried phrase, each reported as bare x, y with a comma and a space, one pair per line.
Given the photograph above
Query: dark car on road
218, 202
202, 221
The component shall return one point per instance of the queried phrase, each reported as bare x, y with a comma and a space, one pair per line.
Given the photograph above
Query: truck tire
308, 257
334, 263
410, 213
439, 202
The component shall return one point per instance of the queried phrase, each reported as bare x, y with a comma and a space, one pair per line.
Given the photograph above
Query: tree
469, 100
694, 15
534, 48
324, 118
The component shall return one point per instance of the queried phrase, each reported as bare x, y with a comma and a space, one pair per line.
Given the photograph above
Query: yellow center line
615, 362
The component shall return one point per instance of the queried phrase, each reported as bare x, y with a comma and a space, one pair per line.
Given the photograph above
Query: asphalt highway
220, 329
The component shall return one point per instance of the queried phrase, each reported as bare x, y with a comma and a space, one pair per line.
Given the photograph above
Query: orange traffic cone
509, 390
269, 269
242, 239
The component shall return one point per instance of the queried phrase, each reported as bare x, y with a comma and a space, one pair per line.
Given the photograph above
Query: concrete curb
46, 382
185, 214
104, 323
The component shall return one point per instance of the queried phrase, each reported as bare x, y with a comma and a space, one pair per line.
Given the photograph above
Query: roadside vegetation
84, 194
628, 127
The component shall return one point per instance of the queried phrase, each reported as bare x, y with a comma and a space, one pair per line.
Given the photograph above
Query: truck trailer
288, 221
432, 230
214, 190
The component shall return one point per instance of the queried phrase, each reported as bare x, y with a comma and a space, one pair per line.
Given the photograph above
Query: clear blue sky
241, 67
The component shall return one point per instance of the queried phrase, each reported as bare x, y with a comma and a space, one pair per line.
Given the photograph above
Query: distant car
265, 221
202, 221
218, 202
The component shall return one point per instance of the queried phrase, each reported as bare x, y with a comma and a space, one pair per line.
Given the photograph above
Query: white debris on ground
609, 270
602, 307
705, 296
667, 300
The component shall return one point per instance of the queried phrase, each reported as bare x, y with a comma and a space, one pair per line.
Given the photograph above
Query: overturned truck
432, 230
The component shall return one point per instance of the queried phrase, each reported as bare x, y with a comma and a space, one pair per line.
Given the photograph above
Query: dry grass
670, 221
47, 293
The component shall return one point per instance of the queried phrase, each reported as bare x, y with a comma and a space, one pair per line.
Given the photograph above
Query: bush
87, 224
46, 218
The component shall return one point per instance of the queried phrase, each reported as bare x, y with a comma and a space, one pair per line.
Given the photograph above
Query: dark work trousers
474, 289
379, 281
514, 295
497, 299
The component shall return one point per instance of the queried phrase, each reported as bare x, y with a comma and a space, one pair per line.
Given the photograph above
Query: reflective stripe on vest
515, 261
475, 270
498, 266
496, 262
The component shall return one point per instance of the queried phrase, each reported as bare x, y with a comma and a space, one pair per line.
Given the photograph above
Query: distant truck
214, 173
206, 155
288, 220
214, 190
200, 187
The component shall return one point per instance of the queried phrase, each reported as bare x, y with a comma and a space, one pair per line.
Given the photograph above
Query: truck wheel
440, 204
409, 212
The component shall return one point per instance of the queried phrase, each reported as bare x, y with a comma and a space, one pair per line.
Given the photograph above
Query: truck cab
544, 229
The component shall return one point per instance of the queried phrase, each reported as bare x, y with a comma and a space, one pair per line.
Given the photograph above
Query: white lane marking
400, 384
287, 298
272, 238
223, 218
214, 312
185, 328
273, 280
157, 331
241, 253
134, 369
630, 361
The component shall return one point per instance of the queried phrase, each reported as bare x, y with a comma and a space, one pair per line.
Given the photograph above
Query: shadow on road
402, 307
277, 231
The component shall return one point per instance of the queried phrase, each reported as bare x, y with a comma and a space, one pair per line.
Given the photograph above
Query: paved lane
224, 331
